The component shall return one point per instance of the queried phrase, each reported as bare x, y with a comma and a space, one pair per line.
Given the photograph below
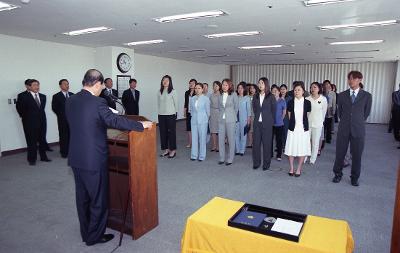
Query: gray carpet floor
38, 211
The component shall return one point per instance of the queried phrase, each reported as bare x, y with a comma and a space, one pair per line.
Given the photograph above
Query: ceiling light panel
260, 47
6, 6
357, 51
359, 25
191, 16
309, 3
144, 42
356, 42
88, 31
236, 34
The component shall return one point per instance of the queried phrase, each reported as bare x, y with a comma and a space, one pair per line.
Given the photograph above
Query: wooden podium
132, 166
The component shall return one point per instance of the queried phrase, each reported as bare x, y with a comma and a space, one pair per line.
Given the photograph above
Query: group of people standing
252, 116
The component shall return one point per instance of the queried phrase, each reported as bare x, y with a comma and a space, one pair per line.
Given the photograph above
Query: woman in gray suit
214, 117
199, 108
264, 106
228, 109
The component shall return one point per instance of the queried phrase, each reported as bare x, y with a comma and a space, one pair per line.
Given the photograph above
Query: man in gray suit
354, 107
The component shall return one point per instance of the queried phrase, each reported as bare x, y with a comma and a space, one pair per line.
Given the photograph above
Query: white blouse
318, 111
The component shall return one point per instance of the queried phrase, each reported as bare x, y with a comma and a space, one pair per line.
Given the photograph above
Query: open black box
271, 213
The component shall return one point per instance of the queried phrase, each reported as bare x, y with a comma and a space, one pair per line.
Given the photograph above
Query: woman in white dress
316, 118
298, 138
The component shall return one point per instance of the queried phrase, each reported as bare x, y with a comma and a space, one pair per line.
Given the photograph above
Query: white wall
379, 79
49, 62
150, 70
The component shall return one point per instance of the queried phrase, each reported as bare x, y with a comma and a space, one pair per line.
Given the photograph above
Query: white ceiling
288, 22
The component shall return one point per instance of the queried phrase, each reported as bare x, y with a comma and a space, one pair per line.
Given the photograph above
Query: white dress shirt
33, 95
355, 91
262, 96
224, 98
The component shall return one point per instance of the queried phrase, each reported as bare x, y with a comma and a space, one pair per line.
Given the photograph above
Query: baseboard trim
22, 150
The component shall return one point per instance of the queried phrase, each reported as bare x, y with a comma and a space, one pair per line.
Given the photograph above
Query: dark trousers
396, 124
261, 136
356, 150
91, 202
278, 133
328, 129
63, 134
33, 136
167, 125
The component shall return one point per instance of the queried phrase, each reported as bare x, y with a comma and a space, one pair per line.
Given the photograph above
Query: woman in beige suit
228, 109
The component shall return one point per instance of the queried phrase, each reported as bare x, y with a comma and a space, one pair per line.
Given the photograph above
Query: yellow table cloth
207, 231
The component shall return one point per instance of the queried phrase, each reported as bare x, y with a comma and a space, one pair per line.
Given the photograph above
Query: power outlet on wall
9, 101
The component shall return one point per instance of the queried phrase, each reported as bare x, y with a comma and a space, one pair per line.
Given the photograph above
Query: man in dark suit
354, 107
58, 106
30, 107
396, 114
88, 118
130, 99
109, 94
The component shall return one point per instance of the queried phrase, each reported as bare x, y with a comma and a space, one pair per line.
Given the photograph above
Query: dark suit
131, 103
262, 131
58, 106
88, 118
110, 101
34, 123
351, 129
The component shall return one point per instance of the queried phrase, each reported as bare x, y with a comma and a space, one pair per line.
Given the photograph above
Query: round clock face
124, 63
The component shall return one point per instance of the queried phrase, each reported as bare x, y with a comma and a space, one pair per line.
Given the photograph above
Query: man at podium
89, 117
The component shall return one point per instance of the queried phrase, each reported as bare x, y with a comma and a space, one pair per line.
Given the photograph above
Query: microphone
116, 100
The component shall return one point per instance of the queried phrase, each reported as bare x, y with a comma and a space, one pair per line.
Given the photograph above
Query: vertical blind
379, 79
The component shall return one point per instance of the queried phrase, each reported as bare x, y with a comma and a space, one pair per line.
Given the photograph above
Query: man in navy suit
58, 106
30, 107
89, 117
130, 98
354, 107
108, 93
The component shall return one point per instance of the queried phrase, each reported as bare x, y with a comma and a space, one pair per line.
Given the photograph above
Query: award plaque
268, 221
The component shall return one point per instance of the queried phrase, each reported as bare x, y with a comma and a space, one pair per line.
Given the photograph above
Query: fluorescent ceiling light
282, 53
358, 51
190, 16
356, 42
261, 47
7, 7
237, 34
359, 25
145, 42
350, 58
214, 56
309, 3
88, 30
191, 50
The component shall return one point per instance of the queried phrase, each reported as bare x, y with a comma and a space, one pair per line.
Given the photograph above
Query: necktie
353, 97
133, 94
66, 95
37, 99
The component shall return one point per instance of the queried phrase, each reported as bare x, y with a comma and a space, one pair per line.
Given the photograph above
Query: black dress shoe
220, 163
241, 154
337, 178
249, 147
192, 159
266, 168
45, 160
227, 164
354, 182
237, 153
32, 163
200, 160
104, 239
256, 167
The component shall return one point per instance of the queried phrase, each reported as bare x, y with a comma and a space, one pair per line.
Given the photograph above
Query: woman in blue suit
199, 108
243, 120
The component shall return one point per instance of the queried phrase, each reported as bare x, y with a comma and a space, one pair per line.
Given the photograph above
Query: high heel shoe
291, 174
297, 175
172, 156
164, 154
